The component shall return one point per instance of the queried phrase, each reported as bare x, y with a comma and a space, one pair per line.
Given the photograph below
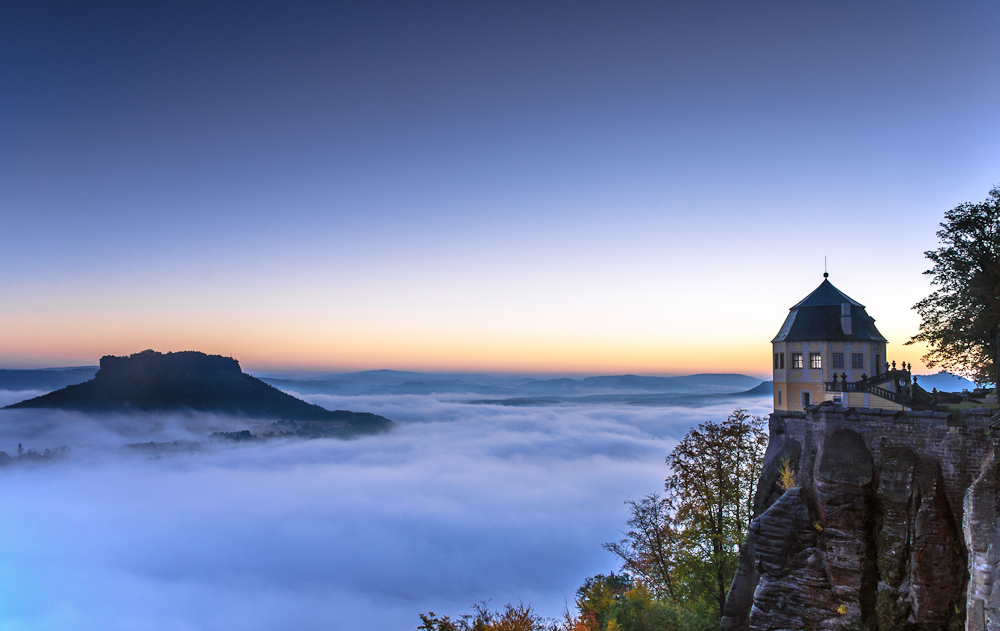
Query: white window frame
815, 361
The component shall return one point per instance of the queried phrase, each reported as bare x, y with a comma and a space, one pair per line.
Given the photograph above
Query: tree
430, 622
511, 618
714, 470
596, 598
685, 545
961, 318
649, 549
618, 603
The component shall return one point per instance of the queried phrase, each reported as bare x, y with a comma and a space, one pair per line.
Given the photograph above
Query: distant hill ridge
153, 381
45, 378
398, 382
374, 382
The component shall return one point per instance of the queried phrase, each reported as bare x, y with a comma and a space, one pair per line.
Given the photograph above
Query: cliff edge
892, 524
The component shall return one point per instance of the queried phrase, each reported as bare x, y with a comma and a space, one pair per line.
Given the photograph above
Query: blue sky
574, 187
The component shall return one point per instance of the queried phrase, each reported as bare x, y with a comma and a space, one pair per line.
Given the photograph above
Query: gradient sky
569, 187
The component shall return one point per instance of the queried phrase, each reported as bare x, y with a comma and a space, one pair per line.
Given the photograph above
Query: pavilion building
828, 349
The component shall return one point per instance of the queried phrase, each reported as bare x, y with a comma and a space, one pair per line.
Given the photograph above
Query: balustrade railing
844, 386
863, 386
890, 375
885, 394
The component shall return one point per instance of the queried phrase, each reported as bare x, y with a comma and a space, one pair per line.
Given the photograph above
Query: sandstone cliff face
871, 535
982, 535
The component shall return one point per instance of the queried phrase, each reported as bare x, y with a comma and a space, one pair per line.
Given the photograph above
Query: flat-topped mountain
189, 380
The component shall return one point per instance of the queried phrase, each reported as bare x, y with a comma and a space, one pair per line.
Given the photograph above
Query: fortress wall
960, 442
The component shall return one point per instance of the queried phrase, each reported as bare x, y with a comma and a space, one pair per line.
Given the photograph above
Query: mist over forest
460, 502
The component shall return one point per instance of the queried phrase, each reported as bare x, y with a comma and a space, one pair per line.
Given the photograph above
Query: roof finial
825, 274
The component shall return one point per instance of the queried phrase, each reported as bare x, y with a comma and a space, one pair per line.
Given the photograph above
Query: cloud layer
460, 503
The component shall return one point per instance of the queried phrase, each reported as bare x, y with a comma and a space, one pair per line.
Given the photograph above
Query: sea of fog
460, 503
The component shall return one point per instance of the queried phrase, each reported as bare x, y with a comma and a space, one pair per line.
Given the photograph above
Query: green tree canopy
685, 545
961, 318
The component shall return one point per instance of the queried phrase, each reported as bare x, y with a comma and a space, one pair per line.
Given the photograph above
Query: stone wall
871, 535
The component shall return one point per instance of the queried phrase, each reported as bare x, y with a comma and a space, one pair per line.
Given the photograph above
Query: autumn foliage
510, 618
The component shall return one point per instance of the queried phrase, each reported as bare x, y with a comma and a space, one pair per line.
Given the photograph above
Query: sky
574, 187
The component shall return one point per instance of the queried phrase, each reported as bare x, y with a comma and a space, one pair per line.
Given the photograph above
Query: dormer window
815, 360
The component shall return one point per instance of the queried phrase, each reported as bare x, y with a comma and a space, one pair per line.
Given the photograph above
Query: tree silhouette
961, 318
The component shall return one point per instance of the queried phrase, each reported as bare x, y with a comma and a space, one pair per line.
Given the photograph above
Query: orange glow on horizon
47, 341
479, 329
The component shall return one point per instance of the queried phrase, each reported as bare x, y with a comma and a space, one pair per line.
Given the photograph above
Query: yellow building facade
828, 349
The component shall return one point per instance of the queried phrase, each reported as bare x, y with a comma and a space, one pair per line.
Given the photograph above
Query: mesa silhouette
189, 380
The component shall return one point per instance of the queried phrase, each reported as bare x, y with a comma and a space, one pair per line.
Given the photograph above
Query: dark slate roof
817, 318
826, 295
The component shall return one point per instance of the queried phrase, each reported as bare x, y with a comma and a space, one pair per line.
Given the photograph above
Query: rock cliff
189, 380
892, 524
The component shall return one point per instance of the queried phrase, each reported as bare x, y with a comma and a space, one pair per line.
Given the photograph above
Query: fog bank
458, 504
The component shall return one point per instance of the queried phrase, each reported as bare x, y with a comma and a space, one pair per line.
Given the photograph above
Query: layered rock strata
871, 534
